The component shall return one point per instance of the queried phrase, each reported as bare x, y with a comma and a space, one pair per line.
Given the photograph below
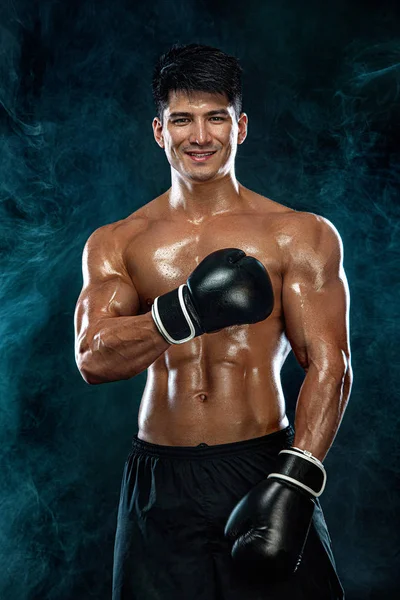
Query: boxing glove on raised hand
226, 288
270, 525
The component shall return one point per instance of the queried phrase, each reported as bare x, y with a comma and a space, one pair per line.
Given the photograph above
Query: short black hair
195, 67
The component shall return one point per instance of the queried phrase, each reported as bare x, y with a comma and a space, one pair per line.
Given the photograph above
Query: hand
270, 525
227, 288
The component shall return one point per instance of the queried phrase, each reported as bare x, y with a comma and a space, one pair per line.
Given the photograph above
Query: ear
242, 125
158, 132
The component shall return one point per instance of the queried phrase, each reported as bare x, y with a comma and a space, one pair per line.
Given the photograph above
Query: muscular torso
220, 387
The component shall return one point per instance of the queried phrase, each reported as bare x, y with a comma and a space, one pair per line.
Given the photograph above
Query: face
200, 124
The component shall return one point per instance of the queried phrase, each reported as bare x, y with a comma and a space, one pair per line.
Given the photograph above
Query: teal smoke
321, 89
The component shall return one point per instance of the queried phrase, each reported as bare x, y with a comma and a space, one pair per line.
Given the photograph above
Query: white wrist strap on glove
160, 326
305, 476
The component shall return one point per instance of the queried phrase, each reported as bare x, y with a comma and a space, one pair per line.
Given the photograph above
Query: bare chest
163, 255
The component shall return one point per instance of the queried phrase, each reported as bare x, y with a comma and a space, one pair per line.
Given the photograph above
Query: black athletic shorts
174, 504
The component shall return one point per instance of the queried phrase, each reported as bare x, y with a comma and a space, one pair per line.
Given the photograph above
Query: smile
200, 157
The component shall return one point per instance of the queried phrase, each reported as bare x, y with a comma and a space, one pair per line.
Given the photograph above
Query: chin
201, 176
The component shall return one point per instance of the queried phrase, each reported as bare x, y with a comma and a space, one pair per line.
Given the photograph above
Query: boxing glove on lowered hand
226, 288
270, 525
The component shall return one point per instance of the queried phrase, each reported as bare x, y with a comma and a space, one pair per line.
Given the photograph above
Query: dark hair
197, 68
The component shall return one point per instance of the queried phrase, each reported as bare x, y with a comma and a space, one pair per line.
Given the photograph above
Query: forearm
119, 348
320, 408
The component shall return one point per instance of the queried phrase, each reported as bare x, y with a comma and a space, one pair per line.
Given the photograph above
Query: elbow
87, 370
348, 368
336, 368
341, 365
349, 379
88, 377
94, 375
86, 361
346, 378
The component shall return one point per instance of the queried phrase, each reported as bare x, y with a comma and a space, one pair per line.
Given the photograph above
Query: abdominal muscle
214, 390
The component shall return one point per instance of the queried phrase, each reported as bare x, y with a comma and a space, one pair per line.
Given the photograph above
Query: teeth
200, 155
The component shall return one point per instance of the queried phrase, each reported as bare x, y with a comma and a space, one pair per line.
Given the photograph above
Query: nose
199, 133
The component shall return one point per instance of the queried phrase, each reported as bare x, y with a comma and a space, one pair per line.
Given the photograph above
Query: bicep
315, 298
107, 291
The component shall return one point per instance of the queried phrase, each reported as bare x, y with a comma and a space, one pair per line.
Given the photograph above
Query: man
208, 287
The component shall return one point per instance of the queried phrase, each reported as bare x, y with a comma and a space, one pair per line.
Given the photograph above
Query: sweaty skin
225, 386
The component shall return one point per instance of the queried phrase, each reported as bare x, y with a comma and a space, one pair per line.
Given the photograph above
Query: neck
199, 200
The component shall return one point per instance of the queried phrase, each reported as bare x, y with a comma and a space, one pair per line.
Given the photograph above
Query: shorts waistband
278, 439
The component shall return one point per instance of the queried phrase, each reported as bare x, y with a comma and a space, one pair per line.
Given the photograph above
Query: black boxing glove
226, 288
270, 525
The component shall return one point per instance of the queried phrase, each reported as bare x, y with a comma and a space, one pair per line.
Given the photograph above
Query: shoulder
119, 233
102, 241
310, 241
310, 229
105, 248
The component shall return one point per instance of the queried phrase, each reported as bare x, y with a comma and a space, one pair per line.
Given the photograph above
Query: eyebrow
210, 113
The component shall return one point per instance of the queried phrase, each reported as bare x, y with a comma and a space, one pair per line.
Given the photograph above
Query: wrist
300, 468
175, 317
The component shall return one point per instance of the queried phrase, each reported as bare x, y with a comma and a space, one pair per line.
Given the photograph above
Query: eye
184, 119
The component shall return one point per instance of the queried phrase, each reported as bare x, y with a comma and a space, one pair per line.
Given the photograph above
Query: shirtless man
199, 517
